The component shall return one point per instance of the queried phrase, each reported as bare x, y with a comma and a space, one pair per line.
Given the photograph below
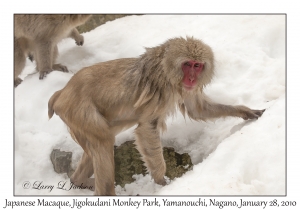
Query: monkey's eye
188, 64
198, 66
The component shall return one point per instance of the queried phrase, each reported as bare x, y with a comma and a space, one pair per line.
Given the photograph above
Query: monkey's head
189, 63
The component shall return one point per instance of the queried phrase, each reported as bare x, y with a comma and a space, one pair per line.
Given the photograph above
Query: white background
157, 7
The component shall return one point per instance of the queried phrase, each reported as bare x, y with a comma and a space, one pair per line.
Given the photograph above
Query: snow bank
231, 156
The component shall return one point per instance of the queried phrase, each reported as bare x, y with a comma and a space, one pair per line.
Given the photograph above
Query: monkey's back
111, 85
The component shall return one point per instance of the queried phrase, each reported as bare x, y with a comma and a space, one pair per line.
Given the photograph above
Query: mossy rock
128, 162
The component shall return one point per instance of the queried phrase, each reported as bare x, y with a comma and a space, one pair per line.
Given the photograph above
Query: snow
230, 156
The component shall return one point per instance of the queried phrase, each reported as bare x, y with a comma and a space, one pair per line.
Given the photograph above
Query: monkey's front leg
149, 145
214, 110
247, 113
74, 34
200, 107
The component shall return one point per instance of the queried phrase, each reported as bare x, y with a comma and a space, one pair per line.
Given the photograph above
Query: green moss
128, 162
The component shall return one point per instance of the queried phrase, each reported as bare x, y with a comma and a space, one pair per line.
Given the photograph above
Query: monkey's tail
51, 103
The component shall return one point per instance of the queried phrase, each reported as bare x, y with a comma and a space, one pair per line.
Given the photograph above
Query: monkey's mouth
189, 87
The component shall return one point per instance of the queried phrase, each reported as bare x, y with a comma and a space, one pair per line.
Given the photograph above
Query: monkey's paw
252, 114
59, 67
79, 40
43, 74
17, 81
161, 182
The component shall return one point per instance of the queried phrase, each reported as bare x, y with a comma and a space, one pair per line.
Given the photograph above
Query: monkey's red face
191, 71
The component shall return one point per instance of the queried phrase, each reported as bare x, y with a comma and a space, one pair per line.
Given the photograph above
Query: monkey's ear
189, 37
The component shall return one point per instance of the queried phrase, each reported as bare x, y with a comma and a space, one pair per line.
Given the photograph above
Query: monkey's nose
191, 79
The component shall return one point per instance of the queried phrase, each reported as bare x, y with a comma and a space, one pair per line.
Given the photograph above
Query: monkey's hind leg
58, 67
93, 134
83, 172
44, 57
46, 53
102, 152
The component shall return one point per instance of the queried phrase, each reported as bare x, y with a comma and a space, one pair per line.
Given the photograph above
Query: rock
177, 164
61, 161
128, 163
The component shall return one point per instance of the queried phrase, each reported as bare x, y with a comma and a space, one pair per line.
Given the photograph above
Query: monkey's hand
248, 114
161, 182
79, 40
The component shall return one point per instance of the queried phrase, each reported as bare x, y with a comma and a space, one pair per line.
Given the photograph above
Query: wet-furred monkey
102, 100
37, 36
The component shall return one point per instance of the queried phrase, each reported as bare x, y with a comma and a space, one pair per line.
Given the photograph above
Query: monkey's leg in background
74, 34
83, 172
19, 62
57, 67
44, 57
149, 145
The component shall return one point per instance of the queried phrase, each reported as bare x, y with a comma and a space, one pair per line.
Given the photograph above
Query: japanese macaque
102, 100
79, 40
37, 36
